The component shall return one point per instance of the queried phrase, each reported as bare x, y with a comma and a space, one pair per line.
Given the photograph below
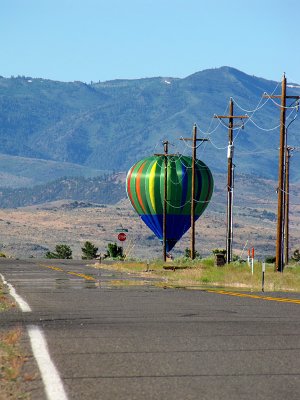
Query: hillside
24, 172
101, 190
109, 125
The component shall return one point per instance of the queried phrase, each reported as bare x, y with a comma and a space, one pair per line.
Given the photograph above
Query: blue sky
92, 40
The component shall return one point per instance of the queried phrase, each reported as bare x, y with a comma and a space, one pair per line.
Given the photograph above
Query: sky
100, 40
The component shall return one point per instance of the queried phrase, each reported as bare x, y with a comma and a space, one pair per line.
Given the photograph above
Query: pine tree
89, 251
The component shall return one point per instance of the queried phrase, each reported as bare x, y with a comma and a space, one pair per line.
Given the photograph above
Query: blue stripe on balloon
152, 221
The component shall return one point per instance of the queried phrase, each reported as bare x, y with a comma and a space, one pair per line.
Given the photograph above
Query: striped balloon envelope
145, 189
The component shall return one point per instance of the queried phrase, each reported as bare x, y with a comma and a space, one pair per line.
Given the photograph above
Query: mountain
100, 190
110, 125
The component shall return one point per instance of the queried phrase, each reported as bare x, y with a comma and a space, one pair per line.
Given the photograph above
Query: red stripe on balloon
138, 185
128, 185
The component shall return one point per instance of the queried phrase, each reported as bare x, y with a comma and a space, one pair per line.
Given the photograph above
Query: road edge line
12, 291
52, 382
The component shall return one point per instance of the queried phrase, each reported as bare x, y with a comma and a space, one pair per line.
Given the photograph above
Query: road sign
122, 237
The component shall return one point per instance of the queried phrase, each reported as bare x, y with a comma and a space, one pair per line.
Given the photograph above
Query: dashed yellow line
54, 268
86, 277
253, 296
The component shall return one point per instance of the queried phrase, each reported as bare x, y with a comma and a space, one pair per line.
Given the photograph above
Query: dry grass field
203, 274
31, 231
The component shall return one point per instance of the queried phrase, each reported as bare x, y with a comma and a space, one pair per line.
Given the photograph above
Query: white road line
22, 303
52, 382
53, 385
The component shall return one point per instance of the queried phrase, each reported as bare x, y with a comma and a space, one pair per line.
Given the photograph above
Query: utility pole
165, 155
193, 203
287, 204
280, 227
281, 174
166, 148
230, 178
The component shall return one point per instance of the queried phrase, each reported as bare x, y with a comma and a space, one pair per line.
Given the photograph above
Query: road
150, 343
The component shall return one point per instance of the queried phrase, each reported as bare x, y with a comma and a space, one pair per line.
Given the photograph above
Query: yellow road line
54, 268
86, 277
253, 296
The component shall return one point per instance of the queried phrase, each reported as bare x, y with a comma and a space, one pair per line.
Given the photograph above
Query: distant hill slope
27, 172
110, 125
100, 190
250, 191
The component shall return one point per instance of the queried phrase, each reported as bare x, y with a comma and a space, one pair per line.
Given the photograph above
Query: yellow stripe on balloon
151, 185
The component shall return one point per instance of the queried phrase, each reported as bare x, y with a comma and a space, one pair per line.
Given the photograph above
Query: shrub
63, 251
270, 259
114, 251
235, 257
296, 255
219, 251
187, 253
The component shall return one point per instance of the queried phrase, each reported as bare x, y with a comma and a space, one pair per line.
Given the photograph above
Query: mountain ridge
110, 125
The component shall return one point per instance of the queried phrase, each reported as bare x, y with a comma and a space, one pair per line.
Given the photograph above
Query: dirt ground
32, 231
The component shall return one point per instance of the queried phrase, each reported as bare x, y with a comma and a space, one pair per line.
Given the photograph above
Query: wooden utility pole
281, 175
230, 179
287, 204
193, 203
166, 148
280, 227
165, 155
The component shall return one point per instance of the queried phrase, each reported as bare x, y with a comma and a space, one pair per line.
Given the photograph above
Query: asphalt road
149, 343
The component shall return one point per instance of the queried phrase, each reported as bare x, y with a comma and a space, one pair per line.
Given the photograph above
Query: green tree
62, 251
187, 253
89, 251
114, 251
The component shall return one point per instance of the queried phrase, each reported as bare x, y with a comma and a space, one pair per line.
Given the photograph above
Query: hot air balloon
145, 188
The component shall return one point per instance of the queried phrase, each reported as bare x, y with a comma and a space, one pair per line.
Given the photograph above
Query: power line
279, 105
263, 129
258, 107
211, 121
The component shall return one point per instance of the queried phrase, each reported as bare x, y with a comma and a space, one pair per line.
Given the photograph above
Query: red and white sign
122, 237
